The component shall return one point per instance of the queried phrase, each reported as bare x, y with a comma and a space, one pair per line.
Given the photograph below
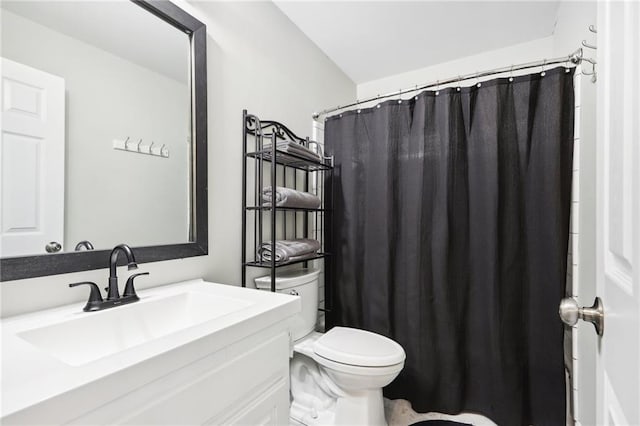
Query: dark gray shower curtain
450, 233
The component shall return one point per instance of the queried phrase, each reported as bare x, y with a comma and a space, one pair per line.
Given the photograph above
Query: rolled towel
287, 197
289, 250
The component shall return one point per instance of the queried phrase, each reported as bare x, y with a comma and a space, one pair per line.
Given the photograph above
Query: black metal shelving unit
274, 167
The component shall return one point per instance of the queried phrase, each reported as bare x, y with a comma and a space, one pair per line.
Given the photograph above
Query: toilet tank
302, 283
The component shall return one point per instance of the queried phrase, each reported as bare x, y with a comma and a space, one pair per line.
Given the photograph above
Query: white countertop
31, 375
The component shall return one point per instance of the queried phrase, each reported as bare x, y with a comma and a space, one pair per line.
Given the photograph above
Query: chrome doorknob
570, 313
53, 247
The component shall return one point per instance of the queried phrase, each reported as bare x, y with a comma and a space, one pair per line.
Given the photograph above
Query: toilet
336, 377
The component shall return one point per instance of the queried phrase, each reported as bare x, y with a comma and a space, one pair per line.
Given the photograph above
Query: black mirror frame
16, 268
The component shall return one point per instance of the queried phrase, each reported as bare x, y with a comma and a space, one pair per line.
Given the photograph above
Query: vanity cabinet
244, 384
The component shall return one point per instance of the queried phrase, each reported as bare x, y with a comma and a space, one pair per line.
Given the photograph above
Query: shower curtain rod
575, 58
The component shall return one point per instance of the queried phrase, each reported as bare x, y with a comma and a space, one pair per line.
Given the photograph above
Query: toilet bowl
336, 377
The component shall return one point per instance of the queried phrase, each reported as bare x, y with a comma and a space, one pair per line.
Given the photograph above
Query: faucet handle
129, 290
95, 298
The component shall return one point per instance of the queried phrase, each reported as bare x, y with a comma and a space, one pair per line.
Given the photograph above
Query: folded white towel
287, 197
289, 250
294, 148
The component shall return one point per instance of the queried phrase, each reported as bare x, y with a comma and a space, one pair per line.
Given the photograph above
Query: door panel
31, 160
618, 223
21, 192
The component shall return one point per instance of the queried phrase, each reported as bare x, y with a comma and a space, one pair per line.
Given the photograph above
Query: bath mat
439, 423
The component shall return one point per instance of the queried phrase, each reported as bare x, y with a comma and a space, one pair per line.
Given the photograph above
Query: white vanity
188, 353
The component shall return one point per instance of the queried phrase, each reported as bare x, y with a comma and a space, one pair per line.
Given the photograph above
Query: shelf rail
293, 166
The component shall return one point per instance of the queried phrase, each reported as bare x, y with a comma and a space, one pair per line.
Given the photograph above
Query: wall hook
139, 147
588, 46
593, 73
593, 29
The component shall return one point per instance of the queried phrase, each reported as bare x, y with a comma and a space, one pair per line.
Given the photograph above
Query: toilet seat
358, 370
358, 348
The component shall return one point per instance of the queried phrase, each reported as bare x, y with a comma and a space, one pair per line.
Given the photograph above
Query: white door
31, 160
618, 213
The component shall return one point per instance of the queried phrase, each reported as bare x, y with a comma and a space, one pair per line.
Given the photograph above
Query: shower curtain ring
437, 87
459, 80
511, 74
400, 96
478, 79
416, 98
543, 73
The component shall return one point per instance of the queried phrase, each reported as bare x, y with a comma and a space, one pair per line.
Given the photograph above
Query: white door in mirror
31, 160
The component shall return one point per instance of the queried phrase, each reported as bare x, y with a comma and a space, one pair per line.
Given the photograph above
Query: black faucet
112, 292
96, 302
84, 243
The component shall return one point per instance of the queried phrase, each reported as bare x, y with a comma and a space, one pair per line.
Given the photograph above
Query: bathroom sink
91, 336
50, 360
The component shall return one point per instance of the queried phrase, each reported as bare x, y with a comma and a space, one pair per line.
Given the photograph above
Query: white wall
572, 27
112, 196
257, 59
519, 53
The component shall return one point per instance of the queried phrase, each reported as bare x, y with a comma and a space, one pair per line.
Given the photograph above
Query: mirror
103, 134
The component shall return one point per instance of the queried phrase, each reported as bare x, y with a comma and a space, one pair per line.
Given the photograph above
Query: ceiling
374, 39
118, 27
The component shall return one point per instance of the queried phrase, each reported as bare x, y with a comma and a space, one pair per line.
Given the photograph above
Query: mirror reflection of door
121, 83
31, 160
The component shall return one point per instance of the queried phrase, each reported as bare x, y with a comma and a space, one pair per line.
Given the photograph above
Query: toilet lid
358, 347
